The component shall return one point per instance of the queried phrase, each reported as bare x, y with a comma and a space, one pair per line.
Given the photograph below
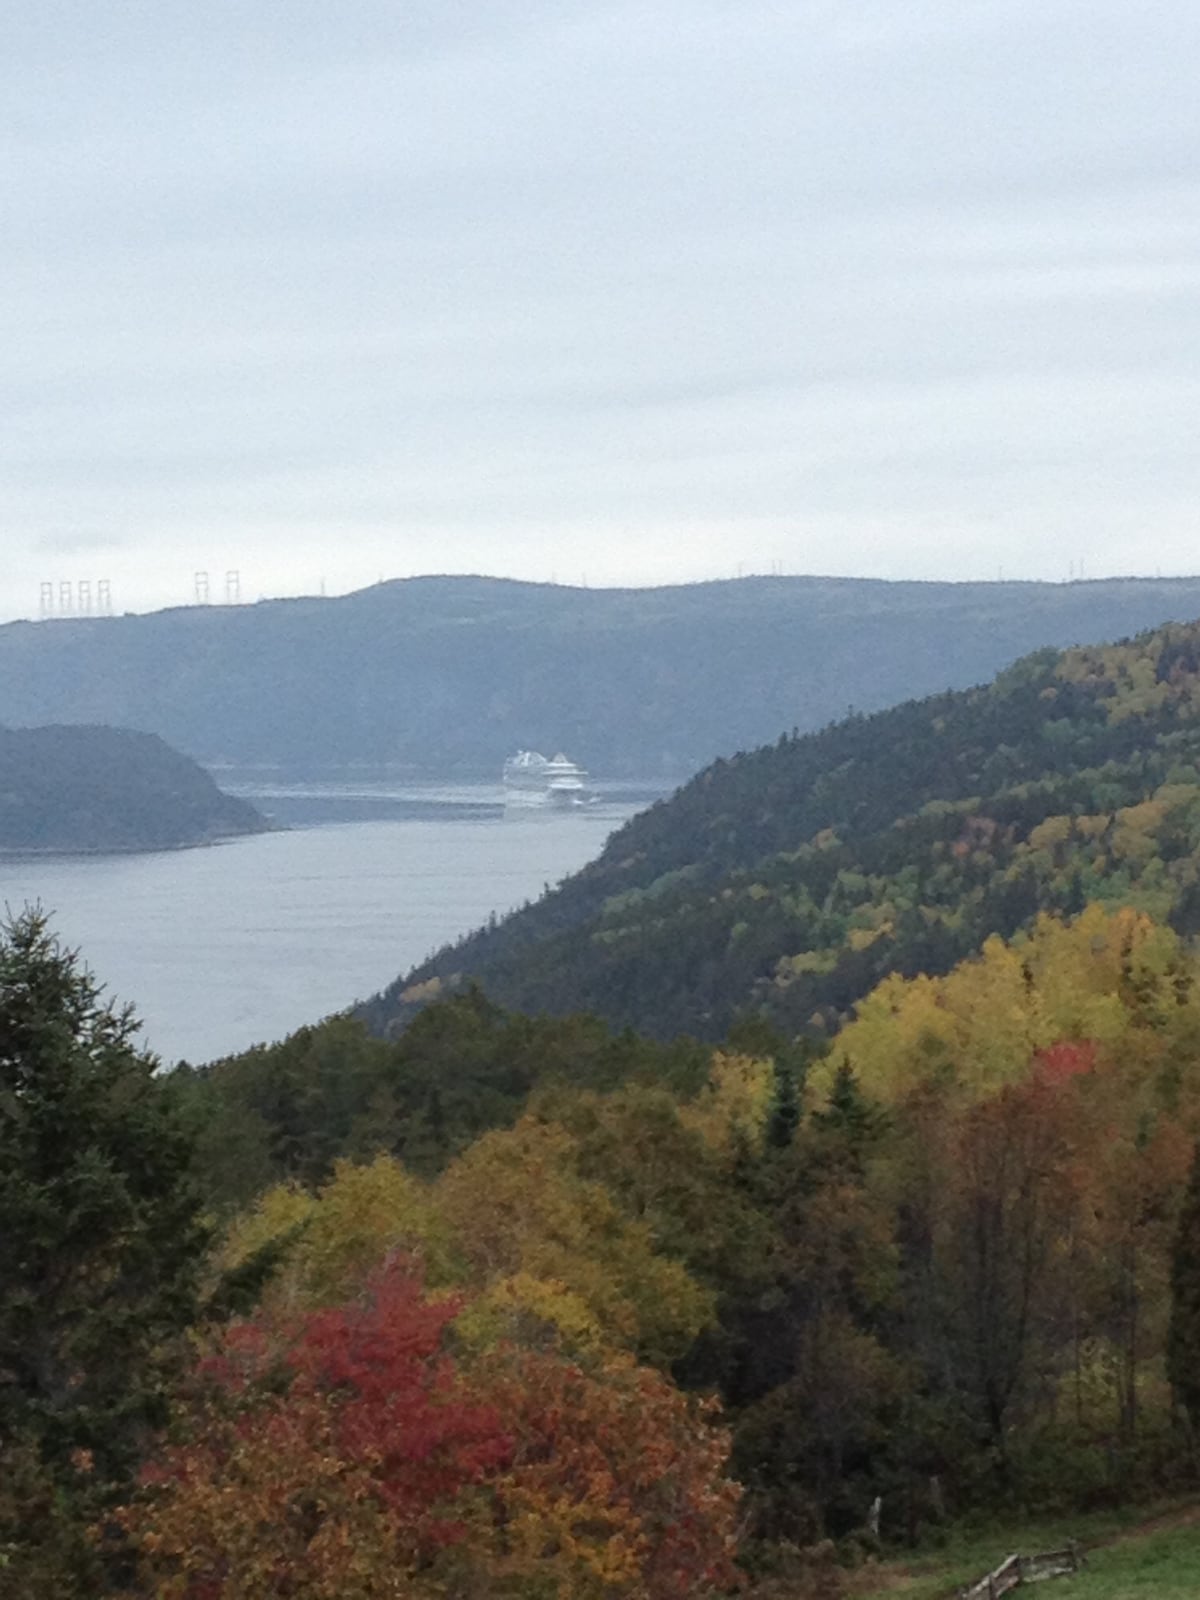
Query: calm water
222, 947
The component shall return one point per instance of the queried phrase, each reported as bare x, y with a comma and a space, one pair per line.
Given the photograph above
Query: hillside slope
446, 674
94, 788
787, 882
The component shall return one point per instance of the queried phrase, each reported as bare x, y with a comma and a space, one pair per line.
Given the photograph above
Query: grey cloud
75, 541
748, 276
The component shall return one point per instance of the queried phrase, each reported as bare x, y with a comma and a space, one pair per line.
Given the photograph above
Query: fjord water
223, 947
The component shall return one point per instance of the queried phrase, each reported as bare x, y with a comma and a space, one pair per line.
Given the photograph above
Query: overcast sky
323, 292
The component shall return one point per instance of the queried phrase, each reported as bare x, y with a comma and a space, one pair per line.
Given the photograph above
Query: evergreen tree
784, 1116
844, 1132
101, 1237
1183, 1340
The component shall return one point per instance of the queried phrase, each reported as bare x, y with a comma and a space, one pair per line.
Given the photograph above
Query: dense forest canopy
455, 673
465, 1328
98, 788
786, 882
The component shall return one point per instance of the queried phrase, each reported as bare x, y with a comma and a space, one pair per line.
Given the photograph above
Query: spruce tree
783, 1117
1183, 1339
848, 1126
101, 1237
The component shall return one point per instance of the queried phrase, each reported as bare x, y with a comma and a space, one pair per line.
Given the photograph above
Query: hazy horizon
616, 297
217, 595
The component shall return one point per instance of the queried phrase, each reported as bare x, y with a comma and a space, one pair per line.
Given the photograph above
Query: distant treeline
454, 674
98, 788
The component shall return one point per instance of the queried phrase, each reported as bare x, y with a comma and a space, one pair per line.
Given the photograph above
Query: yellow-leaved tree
1096, 978
337, 1235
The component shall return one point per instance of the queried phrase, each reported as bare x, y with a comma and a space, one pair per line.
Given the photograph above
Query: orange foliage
316, 1452
350, 1455
616, 1485
1058, 1063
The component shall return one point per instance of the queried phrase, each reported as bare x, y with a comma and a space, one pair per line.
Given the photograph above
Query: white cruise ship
531, 779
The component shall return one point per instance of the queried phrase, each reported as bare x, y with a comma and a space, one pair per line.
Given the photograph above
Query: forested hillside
510, 1305
951, 1264
454, 674
786, 882
96, 788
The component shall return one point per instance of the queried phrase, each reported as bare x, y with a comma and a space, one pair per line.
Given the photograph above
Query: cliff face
96, 788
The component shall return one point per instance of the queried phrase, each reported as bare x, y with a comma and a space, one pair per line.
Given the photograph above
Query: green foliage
784, 884
95, 788
101, 1240
1183, 1344
784, 1116
288, 1111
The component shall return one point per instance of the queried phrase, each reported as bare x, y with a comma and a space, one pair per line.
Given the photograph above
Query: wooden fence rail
1013, 1571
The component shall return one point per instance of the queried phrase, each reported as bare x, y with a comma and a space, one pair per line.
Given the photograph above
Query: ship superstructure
529, 776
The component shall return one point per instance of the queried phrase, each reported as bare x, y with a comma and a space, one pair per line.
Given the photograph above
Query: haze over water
243, 942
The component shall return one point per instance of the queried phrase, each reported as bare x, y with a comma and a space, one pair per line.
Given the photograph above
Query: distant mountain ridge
786, 883
452, 674
97, 788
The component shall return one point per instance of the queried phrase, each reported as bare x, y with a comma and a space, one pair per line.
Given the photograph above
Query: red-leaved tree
320, 1458
350, 1455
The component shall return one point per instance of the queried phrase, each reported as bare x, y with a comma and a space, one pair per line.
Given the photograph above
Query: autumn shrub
316, 1458
353, 1454
616, 1484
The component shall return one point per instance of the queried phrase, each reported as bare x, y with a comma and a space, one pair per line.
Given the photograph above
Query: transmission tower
104, 597
46, 603
65, 606
233, 588
200, 583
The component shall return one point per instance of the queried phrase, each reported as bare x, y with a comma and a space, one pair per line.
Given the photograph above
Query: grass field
1164, 1564
1130, 1556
